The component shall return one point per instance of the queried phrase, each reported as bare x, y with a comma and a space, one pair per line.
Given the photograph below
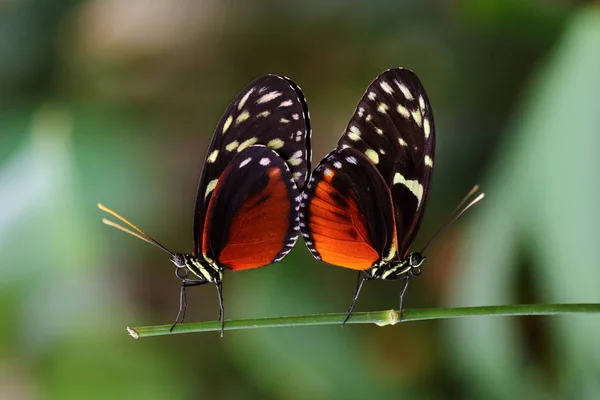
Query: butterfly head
415, 263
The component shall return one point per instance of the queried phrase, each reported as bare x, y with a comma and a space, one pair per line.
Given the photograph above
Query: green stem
381, 318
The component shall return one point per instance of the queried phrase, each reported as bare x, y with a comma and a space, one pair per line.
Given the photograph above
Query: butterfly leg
183, 300
359, 284
402, 291
221, 308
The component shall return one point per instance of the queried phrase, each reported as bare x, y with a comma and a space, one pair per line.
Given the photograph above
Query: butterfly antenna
458, 211
140, 233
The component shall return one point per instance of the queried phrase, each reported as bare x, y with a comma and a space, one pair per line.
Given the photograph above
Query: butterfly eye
178, 260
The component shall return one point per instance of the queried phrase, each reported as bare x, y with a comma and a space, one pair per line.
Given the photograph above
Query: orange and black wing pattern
393, 126
252, 217
271, 112
346, 214
391, 135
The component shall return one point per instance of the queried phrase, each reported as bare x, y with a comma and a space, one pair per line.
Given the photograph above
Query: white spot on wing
371, 96
417, 117
245, 162
286, 103
295, 159
352, 160
337, 164
386, 87
413, 185
295, 117
268, 97
354, 133
407, 94
426, 128
264, 161
402, 142
422, 103
403, 111
428, 161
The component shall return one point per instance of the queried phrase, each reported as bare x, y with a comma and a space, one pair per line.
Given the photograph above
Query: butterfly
365, 201
246, 212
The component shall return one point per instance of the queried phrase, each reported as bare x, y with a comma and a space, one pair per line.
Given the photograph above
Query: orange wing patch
258, 230
338, 228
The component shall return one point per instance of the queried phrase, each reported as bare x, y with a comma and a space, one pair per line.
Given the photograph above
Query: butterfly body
246, 210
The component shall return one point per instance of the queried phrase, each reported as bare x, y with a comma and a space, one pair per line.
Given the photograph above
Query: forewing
252, 217
346, 214
270, 111
393, 127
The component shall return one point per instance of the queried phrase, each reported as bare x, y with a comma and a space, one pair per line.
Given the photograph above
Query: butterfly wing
346, 214
252, 217
393, 127
270, 111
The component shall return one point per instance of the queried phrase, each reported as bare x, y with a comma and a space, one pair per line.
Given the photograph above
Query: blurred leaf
542, 201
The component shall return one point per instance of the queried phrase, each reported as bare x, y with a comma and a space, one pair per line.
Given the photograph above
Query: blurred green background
115, 101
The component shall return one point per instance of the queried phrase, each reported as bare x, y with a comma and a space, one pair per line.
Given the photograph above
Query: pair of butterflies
360, 209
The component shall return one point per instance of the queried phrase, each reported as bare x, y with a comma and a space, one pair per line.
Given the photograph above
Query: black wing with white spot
270, 111
393, 126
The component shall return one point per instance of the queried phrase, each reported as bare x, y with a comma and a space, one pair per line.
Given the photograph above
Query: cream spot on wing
417, 117
268, 97
422, 103
413, 185
361, 112
328, 173
295, 159
244, 115
382, 108
245, 98
428, 161
286, 103
354, 133
371, 95
232, 146
227, 123
246, 143
369, 118
264, 113
386, 87
405, 91
210, 187
379, 131
403, 111
372, 155
402, 142
426, 128
213, 156
284, 120
275, 144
